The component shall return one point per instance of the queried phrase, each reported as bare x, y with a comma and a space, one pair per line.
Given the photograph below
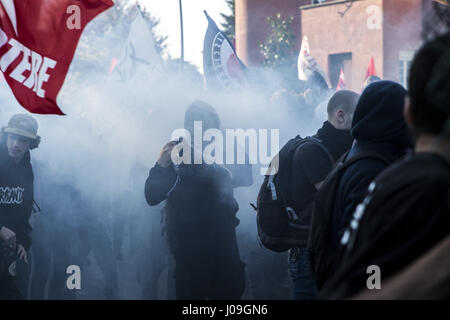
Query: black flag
221, 66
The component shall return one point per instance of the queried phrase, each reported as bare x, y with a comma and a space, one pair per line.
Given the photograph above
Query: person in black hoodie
16, 198
407, 210
311, 164
381, 137
380, 132
200, 217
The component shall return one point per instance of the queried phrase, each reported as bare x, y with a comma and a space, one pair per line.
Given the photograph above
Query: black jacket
200, 212
16, 195
311, 165
408, 214
378, 127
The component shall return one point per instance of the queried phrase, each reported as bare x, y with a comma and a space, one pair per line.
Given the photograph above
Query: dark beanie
201, 111
379, 114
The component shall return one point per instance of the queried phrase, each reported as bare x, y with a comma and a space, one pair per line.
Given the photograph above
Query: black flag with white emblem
221, 66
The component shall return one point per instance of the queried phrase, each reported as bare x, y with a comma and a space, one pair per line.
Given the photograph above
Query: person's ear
340, 115
407, 113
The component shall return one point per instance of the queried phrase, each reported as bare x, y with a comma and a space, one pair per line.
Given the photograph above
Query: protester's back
407, 210
381, 137
378, 127
285, 199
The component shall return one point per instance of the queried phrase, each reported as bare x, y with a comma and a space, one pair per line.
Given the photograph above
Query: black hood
378, 116
201, 111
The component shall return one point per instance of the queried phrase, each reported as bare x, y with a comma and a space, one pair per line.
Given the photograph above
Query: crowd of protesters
371, 188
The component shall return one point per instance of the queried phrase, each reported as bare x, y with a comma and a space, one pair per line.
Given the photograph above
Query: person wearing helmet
16, 197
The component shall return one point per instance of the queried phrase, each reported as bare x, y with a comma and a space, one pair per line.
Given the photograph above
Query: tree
229, 25
189, 72
160, 40
279, 53
279, 48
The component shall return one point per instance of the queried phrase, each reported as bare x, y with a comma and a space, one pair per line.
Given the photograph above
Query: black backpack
278, 223
322, 255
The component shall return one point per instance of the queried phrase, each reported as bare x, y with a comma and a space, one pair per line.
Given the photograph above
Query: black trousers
209, 278
208, 265
209, 286
9, 290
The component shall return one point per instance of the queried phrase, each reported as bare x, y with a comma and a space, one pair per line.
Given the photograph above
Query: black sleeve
396, 228
23, 228
241, 175
159, 182
357, 188
315, 163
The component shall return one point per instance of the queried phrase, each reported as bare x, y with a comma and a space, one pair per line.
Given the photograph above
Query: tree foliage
279, 48
229, 25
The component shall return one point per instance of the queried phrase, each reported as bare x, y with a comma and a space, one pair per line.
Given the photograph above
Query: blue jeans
304, 286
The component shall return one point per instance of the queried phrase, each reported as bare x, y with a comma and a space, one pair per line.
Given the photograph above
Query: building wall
384, 29
358, 30
402, 27
252, 28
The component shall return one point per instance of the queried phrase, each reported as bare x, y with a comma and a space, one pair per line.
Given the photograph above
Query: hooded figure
201, 220
378, 128
406, 214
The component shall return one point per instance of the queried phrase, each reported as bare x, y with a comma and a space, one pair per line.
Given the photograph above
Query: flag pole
182, 34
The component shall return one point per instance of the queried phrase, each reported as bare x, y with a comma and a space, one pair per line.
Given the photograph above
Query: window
335, 63
404, 63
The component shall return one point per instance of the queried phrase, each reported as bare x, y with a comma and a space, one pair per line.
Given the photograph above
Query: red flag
370, 69
341, 84
38, 39
113, 65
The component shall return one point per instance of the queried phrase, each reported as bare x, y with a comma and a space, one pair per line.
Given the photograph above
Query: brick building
342, 34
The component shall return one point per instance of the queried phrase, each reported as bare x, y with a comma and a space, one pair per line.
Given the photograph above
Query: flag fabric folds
221, 66
140, 59
307, 64
371, 69
38, 39
341, 84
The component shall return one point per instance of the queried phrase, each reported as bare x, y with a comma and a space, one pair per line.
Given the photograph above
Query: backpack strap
36, 208
315, 141
273, 190
362, 155
344, 163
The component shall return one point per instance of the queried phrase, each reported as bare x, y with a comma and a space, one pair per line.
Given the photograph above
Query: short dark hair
344, 99
429, 86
